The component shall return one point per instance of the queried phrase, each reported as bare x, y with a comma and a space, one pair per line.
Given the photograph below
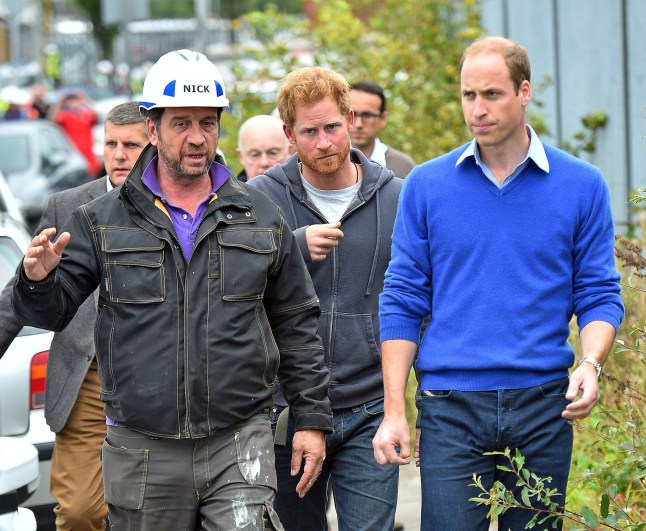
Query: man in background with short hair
370, 117
261, 144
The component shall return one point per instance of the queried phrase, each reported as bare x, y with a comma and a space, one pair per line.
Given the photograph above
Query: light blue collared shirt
536, 152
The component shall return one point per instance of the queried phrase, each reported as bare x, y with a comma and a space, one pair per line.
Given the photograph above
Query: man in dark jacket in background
341, 208
204, 299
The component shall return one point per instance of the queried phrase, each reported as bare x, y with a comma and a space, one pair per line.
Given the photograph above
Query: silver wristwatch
592, 361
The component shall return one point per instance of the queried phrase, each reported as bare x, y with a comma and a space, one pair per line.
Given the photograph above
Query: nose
323, 142
195, 135
120, 152
479, 108
265, 161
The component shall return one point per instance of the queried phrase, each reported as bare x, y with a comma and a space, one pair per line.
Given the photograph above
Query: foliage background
412, 49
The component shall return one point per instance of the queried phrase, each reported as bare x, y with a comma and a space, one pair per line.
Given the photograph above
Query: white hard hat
183, 78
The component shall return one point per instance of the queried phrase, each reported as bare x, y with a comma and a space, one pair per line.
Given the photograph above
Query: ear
289, 133
383, 120
152, 132
525, 92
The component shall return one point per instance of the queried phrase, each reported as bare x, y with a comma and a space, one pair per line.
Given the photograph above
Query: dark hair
155, 114
371, 88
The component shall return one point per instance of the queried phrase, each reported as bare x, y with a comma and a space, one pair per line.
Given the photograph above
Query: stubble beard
329, 167
183, 174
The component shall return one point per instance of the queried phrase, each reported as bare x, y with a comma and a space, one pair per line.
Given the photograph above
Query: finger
311, 472
61, 243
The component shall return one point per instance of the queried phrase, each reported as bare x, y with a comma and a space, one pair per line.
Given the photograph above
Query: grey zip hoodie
348, 282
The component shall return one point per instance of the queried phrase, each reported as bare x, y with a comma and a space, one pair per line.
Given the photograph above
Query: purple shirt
185, 225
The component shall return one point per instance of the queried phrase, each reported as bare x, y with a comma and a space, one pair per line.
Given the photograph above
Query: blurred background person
261, 144
370, 117
14, 100
75, 113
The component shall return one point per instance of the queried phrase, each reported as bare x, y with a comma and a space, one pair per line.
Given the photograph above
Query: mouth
481, 127
325, 158
196, 157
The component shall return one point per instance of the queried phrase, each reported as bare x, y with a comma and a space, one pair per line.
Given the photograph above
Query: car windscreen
14, 154
10, 257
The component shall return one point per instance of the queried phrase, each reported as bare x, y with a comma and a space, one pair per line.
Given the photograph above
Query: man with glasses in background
370, 117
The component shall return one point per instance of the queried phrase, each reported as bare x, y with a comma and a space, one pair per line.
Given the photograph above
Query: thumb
61, 242
573, 388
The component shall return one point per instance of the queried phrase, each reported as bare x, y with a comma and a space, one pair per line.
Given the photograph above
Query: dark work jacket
185, 350
350, 279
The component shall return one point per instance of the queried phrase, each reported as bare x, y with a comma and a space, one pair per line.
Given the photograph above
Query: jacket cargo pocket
245, 260
124, 476
134, 267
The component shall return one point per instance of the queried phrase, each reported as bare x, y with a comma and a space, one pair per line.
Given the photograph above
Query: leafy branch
537, 496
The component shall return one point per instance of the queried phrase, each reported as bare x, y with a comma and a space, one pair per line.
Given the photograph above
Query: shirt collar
536, 152
378, 154
219, 174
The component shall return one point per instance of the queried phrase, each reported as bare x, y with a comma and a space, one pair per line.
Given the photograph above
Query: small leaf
590, 517
605, 504
524, 494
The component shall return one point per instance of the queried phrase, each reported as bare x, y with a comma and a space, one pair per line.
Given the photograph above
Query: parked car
8, 202
18, 480
22, 378
38, 159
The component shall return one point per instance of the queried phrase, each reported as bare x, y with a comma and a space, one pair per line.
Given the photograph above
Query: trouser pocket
124, 476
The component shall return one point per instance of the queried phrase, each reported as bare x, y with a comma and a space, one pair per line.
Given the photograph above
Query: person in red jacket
76, 115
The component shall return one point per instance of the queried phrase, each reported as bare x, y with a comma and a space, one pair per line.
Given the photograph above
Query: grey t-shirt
331, 203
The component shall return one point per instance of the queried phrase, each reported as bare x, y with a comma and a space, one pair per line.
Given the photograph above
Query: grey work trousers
223, 482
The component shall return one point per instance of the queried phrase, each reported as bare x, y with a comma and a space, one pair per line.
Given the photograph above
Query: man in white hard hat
204, 299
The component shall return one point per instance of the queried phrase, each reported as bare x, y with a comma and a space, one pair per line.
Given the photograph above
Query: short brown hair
310, 85
515, 55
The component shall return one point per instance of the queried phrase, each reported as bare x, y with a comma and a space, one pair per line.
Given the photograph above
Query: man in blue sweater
500, 242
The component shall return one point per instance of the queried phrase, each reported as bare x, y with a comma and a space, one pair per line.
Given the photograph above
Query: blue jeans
459, 426
365, 492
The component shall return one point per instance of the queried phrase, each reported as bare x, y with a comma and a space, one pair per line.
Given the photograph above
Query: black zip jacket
185, 350
348, 282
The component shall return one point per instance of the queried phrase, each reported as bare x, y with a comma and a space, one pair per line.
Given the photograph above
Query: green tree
412, 49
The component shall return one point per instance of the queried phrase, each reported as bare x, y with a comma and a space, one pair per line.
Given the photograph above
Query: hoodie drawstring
376, 255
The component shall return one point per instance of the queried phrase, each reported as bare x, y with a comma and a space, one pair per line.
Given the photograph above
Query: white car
22, 378
18, 480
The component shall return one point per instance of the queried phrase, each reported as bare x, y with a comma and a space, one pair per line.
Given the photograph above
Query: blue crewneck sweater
500, 271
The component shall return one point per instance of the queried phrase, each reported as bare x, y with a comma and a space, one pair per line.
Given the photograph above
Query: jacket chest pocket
134, 266
241, 260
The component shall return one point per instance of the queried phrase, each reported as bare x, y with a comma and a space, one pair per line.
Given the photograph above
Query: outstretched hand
43, 255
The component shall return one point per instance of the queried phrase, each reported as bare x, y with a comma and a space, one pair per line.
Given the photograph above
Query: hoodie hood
288, 175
